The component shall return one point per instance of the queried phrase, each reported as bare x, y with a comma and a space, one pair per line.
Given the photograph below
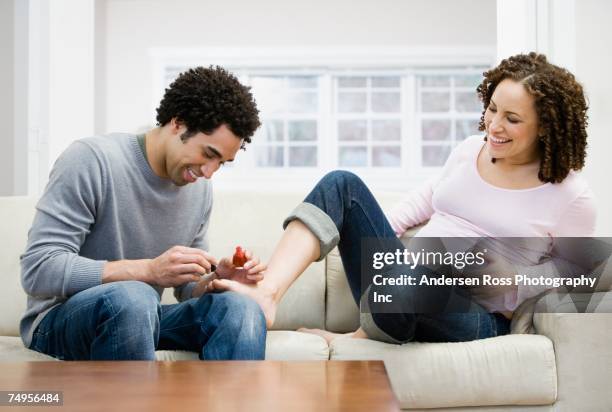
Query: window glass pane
352, 81
386, 81
352, 156
385, 102
468, 80
386, 130
351, 102
302, 130
268, 92
267, 82
269, 156
435, 101
465, 128
307, 82
435, 80
272, 130
467, 102
386, 156
352, 130
436, 129
303, 156
435, 155
304, 102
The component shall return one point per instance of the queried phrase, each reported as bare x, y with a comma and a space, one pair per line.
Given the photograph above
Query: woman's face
511, 123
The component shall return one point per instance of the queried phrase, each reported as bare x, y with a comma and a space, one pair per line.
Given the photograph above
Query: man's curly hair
560, 105
205, 98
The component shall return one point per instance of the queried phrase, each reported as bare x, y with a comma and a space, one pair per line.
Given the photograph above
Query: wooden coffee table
206, 386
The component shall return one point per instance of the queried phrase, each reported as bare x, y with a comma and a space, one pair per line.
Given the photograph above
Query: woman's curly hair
560, 105
205, 98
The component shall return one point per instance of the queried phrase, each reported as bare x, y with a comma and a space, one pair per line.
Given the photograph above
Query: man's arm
51, 265
175, 267
126, 270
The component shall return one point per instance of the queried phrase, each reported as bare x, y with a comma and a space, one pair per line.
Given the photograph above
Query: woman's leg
341, 211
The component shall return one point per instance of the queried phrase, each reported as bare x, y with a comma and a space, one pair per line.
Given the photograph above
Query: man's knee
242, 314
130, 301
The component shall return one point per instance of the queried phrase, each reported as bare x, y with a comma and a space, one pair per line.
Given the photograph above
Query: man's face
201, 155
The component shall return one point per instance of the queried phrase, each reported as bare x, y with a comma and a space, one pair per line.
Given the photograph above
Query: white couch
565, 365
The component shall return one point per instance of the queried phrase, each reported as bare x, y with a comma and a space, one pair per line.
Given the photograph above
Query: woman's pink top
459, 203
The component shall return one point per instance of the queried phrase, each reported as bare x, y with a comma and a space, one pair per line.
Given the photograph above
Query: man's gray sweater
103, 203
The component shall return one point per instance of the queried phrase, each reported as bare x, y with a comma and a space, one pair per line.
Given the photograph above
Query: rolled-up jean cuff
319, 223
369, 326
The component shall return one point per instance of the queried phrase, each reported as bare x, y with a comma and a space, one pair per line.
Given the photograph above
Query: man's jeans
125, 321
357, 215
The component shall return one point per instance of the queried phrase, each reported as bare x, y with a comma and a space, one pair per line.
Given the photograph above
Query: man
124, 216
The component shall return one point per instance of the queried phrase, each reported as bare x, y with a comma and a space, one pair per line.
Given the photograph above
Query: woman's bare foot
264, 295
327, 335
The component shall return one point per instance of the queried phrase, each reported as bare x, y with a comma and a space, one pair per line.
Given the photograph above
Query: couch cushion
254, 221
342, 313
582, 348
12, 350
280, 345
16, 214
505, 370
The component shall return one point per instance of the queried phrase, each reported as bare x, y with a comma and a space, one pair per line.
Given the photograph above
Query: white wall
71, 73
134, 26
594, 61
6, 96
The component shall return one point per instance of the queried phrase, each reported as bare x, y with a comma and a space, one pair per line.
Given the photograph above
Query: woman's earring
485, 138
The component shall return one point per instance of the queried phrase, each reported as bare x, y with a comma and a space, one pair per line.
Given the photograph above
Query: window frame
327, 62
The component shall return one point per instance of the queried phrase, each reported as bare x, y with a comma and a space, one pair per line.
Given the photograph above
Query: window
448, 112
392, 122
368, 121
289, 106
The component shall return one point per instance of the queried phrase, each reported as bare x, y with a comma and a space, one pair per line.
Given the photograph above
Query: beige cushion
582, 348
342, 312
12, 350
16, 214
505, 370
290, 345
254, 221
236, 220
280, 345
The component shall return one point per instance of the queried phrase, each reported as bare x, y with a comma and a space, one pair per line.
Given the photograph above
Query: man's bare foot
327, 335
262, 294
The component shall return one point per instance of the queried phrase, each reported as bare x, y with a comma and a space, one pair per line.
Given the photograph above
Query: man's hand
179, 265
250, 273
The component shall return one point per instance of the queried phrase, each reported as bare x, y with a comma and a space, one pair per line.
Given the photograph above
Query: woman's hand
251, 272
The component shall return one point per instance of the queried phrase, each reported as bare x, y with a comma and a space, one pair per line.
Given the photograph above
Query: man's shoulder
101, 149
94, 153
108, 142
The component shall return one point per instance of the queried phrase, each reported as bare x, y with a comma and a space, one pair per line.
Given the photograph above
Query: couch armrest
582, 349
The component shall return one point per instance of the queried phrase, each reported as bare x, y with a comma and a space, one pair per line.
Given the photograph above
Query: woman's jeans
357, 216
125, 321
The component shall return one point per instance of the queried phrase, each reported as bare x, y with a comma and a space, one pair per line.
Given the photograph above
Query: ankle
271, 291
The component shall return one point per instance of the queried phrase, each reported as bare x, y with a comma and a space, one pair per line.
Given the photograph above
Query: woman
519, 181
